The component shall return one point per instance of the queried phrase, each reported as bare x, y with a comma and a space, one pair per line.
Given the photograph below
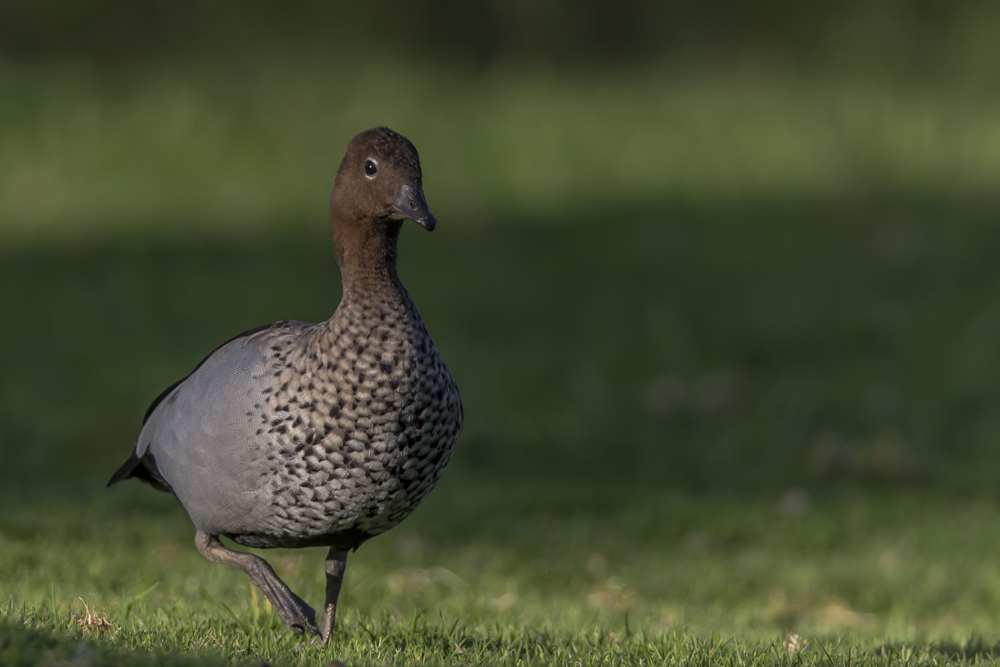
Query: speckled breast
362, 416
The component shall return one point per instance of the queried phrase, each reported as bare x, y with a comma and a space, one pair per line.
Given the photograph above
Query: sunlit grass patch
254, 142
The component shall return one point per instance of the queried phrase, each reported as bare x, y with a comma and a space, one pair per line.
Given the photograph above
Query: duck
297, 434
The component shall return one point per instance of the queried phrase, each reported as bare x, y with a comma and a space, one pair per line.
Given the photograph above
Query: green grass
691, 433
737, 391
243, 143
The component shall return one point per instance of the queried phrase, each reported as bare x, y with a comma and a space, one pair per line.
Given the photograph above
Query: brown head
379, 180
378, 186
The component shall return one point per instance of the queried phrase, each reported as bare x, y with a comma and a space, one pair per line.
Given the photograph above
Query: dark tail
141, 468
126, 470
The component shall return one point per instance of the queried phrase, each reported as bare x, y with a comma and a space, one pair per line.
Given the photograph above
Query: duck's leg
299, 616
336, 563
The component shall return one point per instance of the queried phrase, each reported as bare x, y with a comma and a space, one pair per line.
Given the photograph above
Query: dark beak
411, 204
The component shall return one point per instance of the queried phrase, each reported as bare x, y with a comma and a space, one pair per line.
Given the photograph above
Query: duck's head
379, 182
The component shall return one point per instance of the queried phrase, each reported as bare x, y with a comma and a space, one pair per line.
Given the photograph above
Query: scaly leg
336, 562
290, 607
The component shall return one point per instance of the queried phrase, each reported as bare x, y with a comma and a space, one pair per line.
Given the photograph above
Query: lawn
758, 426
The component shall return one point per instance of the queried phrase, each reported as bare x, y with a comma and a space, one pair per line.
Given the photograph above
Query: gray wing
206, 436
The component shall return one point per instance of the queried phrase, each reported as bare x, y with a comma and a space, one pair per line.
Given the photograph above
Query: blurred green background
718, 282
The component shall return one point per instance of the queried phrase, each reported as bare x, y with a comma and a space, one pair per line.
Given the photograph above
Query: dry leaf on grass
90, 620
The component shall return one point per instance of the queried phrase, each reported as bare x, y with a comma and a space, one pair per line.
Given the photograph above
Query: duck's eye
370, 168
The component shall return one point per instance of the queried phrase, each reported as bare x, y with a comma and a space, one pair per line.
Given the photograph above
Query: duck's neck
366, 252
